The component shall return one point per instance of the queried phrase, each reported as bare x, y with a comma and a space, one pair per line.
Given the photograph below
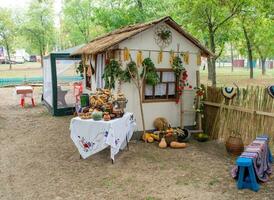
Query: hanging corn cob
160, 56
199, 60
126, 54
139, 58
172, 56
186, 58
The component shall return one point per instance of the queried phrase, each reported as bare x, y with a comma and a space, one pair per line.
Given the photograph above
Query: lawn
26, 70
240, 76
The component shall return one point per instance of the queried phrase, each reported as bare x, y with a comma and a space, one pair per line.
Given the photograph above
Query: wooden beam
265, 113
237, 108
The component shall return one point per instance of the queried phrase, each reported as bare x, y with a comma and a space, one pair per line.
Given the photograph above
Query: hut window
165, 90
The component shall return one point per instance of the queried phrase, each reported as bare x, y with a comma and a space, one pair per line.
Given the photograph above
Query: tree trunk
209, 69
8, 52
212, 60
263, 66
141, 104
213, 63
232, 57
42, 61
249, 53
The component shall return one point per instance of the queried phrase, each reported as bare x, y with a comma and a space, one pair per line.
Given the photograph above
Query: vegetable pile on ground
165, 135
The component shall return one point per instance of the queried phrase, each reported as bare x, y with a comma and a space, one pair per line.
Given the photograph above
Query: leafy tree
38, 26
263, 41
7, 31
255, 22
78, 22
125, 12
209, 18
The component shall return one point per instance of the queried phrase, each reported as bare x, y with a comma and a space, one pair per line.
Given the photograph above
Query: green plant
151, 76
112, 71
131, 68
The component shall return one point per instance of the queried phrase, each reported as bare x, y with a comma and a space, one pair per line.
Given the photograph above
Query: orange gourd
177, 145
150, 139
163, 143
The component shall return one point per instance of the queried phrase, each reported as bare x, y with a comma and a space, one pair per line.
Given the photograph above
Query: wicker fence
250, 113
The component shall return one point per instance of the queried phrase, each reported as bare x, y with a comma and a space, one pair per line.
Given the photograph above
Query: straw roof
101, 44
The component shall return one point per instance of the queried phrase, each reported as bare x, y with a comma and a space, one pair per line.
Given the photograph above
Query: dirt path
39, 161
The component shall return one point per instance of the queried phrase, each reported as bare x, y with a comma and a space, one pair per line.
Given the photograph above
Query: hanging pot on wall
234, 145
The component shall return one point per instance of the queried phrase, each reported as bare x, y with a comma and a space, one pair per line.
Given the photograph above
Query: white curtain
168, 77
148, 90
160, 89
100, 66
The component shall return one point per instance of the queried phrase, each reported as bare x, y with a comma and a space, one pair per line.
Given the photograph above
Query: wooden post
181, 100
198, 101
182, 111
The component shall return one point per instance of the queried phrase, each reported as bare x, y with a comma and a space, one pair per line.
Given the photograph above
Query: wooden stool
25, 91
246, 178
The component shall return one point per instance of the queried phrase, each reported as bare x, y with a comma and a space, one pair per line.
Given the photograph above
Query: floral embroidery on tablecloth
86, 146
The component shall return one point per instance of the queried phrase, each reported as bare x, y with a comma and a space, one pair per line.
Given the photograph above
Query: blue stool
246, 178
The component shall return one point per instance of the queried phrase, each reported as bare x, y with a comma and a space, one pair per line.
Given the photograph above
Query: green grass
224, 75
29, 69
240, 76
239, 72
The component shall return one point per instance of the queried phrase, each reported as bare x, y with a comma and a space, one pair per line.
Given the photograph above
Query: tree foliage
38, 26
7, 31
246, 24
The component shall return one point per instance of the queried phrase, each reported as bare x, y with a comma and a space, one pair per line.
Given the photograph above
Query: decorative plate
163, 36
270, 90
229, 92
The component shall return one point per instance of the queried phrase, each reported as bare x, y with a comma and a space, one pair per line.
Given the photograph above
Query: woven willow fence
250, 113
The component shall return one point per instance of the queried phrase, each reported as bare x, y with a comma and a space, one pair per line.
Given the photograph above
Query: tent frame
54, 110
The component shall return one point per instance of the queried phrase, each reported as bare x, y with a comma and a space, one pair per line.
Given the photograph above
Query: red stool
25, 91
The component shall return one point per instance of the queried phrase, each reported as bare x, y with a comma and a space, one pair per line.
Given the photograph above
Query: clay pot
107, 116
234, 145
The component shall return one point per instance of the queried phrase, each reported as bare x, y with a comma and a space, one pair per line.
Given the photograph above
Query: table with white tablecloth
90, 136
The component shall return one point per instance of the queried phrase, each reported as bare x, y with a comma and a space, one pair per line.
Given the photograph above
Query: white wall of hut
145, 42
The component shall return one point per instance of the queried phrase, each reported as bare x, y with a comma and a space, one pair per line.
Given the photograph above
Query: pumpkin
155, 136
177, 145
163, 143
97, 116
150, 139
160, 124
146, 136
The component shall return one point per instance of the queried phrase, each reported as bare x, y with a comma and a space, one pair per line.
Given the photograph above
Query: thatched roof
101, 44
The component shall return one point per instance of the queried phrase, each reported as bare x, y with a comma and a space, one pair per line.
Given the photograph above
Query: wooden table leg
127, 143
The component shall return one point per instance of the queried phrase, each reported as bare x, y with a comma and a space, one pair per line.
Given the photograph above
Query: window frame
155, 100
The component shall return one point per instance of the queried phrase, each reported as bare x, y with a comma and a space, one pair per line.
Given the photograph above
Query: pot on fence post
234, 144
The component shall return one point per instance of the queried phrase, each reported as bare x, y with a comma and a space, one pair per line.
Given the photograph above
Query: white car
19, 59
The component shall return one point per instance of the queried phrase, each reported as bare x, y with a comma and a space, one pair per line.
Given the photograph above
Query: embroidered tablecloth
91, 136
260, 153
